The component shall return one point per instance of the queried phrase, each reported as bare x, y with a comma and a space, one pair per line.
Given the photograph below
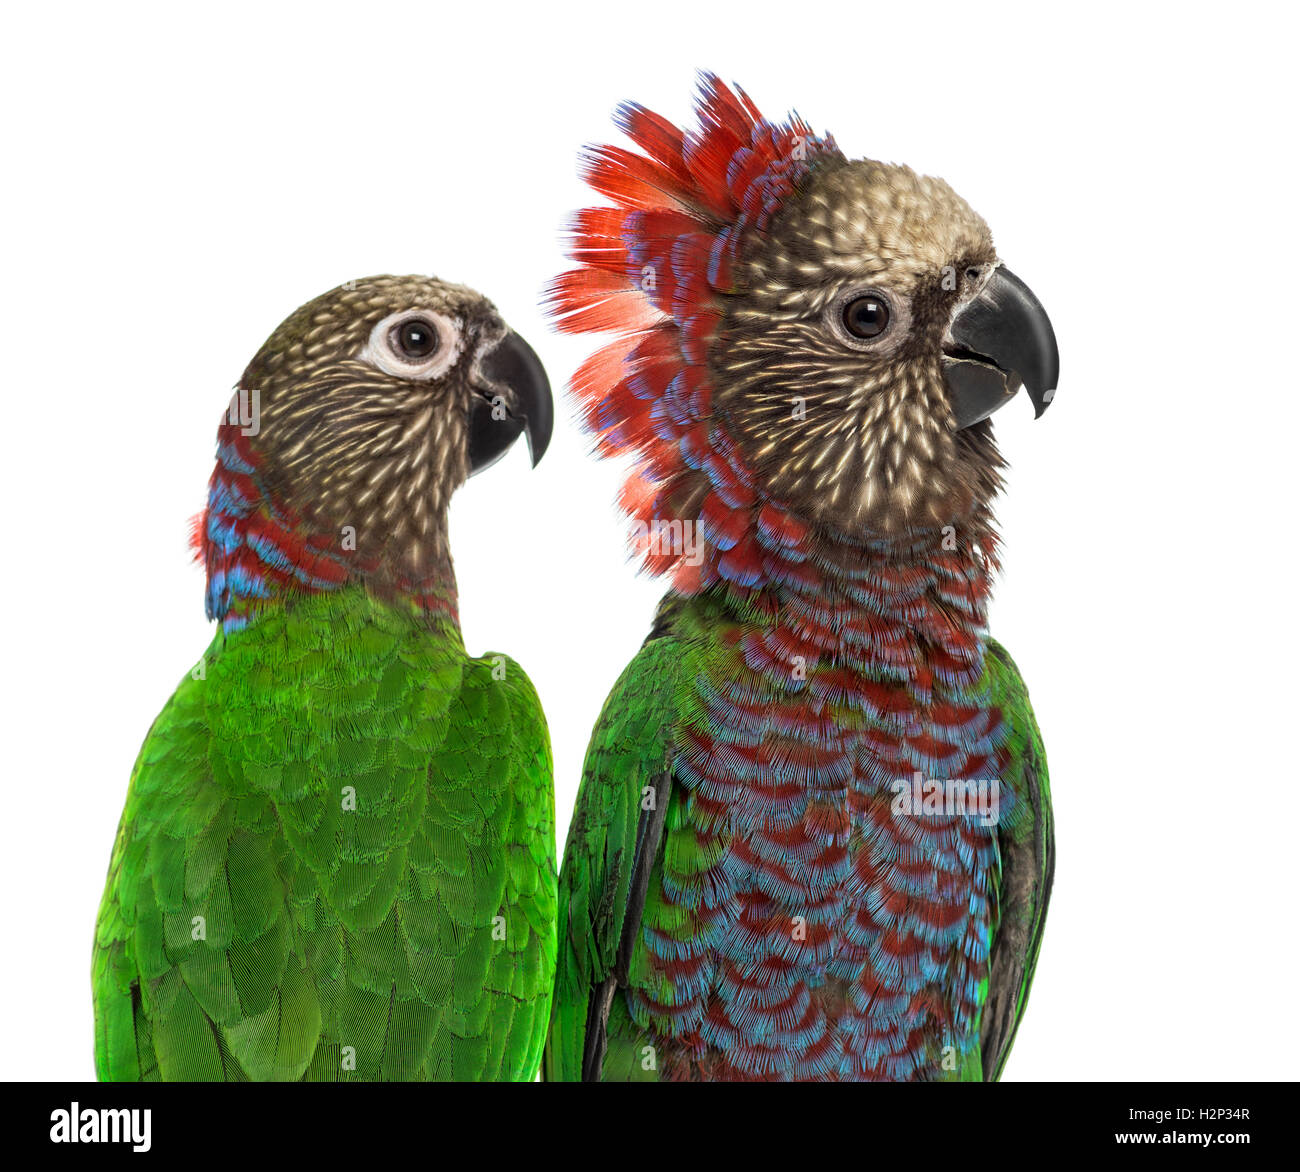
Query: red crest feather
653, 269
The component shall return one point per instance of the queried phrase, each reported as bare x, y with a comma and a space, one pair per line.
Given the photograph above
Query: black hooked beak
518, 399
998, 341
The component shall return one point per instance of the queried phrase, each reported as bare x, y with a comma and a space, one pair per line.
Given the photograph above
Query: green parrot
337, 857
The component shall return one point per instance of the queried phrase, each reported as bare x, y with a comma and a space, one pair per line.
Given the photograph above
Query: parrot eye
413, 343
868, 320
415, 339
866, 317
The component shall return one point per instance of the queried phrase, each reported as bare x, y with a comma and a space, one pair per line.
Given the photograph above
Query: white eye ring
384, 349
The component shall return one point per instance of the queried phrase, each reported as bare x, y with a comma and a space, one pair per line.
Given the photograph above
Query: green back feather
336, 861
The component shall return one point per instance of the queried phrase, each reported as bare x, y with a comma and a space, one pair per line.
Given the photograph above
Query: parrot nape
337, 856
813, 839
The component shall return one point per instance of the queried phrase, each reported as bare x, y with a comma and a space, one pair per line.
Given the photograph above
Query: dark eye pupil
866, 317
416, 339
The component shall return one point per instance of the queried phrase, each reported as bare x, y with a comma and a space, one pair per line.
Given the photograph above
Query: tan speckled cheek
857, 436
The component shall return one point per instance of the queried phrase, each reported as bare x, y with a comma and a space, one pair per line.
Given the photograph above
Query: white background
178, 180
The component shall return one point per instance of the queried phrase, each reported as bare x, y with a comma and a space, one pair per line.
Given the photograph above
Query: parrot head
870, 331
347, 435
378, 399
809, 343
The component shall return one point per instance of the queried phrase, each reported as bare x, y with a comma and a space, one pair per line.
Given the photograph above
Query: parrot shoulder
504, 727
499, 700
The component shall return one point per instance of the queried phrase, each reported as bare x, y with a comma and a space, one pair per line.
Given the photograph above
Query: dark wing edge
649, 834
1027, 847
609, 856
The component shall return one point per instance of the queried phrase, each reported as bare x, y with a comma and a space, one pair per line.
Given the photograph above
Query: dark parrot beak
517, 399
1001, 339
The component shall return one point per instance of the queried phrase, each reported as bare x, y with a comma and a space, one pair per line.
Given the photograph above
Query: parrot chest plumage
336, 849
803, 923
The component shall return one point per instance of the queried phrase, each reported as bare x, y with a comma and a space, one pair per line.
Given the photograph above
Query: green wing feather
1028, 857
336, 862
612, 841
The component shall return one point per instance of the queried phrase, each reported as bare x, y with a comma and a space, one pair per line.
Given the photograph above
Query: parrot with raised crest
337, 856
814, 838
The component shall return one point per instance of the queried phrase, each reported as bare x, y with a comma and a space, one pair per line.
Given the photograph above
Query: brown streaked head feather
349, 437
857, 436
